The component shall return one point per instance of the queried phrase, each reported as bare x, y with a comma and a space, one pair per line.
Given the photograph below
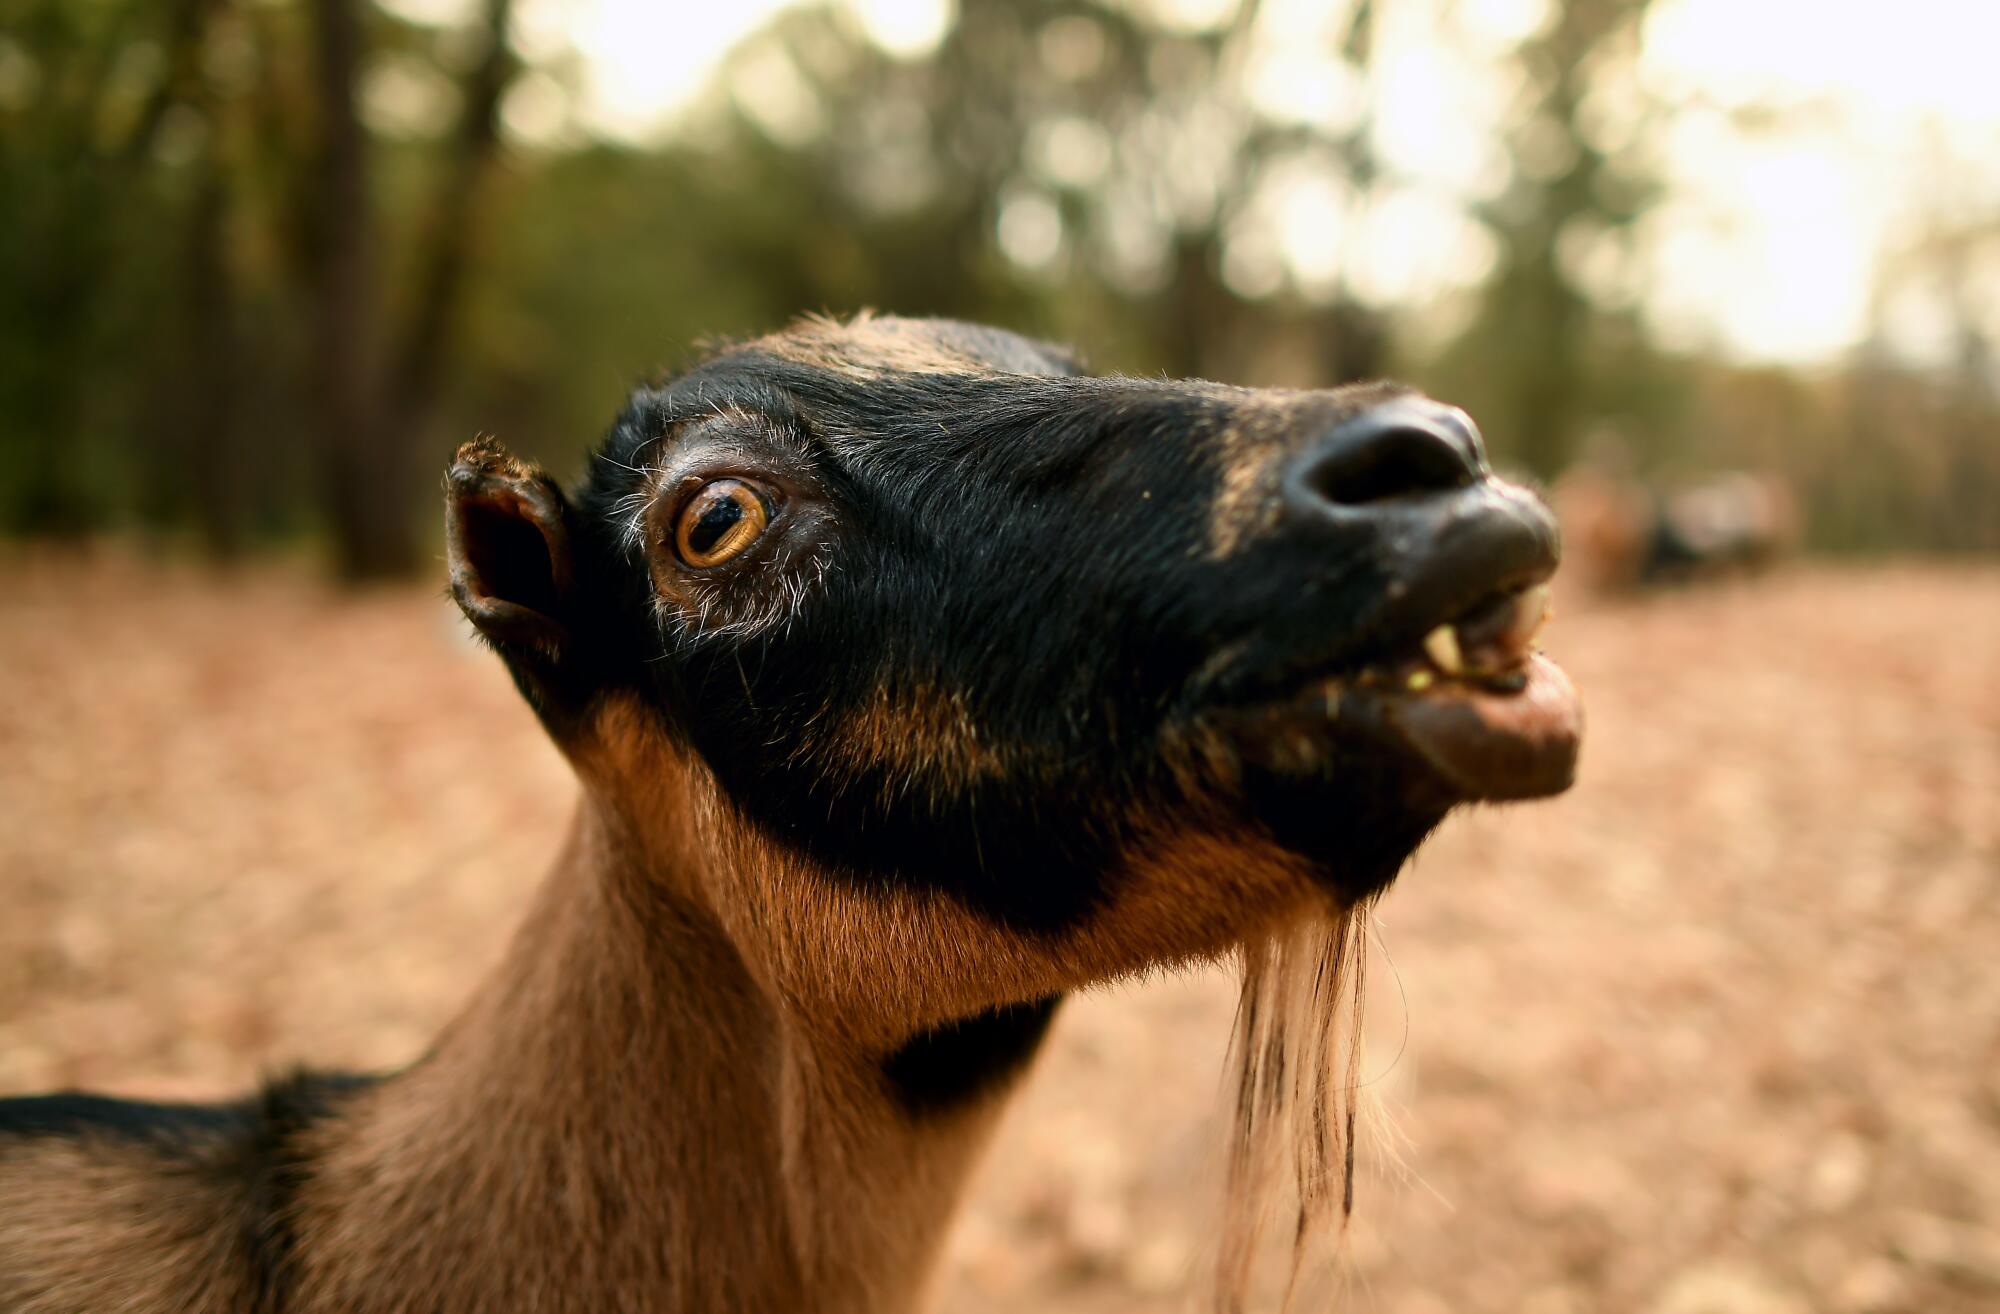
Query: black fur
1033, 545
945, 1067
272, 1164
171, 1127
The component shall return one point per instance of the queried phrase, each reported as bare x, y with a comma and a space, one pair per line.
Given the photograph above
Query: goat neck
623, 1114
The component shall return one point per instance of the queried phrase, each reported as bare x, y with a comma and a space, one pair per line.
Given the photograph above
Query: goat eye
720, 521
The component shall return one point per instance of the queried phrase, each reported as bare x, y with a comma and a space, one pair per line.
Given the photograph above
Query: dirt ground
1718, 1033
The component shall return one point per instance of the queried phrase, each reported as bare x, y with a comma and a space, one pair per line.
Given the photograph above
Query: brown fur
914, 959
1246, 457
631, 1113
738, 1059
865, 347
924, 735
102, 1224
560, 1118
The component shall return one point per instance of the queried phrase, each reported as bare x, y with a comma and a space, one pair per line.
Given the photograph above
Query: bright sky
1775, 243
1767, 248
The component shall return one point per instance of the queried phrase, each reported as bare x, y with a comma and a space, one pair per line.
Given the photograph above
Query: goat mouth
1474, 701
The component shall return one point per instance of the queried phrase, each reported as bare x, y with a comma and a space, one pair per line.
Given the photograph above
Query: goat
914, 679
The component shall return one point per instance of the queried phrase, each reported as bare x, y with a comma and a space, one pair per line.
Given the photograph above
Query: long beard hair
1296, 1055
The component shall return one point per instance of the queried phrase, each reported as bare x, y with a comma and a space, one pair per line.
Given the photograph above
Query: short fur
1002, 702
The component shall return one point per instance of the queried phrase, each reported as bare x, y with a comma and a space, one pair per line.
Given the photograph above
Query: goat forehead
870, 346
1013, 428
904, 397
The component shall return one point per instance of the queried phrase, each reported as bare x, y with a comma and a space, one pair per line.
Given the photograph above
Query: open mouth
1473, 700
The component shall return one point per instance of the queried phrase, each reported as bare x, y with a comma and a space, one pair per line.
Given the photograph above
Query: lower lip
1495, 746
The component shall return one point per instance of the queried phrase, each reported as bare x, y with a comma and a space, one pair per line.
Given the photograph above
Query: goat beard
1296, 1053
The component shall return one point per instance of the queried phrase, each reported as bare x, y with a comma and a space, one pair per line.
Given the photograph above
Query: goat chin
1296, 1055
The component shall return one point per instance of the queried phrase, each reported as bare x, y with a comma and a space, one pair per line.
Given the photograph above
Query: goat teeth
1441, 645
1531, 612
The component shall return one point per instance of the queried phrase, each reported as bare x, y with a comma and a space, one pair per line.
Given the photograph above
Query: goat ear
507, 542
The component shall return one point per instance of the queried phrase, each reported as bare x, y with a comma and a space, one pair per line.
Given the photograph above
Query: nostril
1377, 461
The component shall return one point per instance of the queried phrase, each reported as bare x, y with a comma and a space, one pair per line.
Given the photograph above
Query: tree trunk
372, 538
424, 348
213, 475
369, 408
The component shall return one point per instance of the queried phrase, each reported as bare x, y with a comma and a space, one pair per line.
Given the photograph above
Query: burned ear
507, 541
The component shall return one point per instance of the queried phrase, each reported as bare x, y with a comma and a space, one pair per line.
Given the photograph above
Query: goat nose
1402, 449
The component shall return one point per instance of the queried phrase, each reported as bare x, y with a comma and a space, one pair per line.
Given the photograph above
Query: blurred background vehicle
1717, 1032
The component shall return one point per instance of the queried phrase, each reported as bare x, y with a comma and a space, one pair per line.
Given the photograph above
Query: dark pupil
714, 523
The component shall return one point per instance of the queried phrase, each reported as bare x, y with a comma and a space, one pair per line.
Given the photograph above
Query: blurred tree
1946, 279
126, 122
1069, 168
262, 257
60, 205
1078, 163
374, 383
1535, 362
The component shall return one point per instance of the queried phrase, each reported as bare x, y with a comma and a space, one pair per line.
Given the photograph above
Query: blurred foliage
268, 259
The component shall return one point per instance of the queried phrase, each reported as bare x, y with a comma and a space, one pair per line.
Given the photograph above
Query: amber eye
720, 521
